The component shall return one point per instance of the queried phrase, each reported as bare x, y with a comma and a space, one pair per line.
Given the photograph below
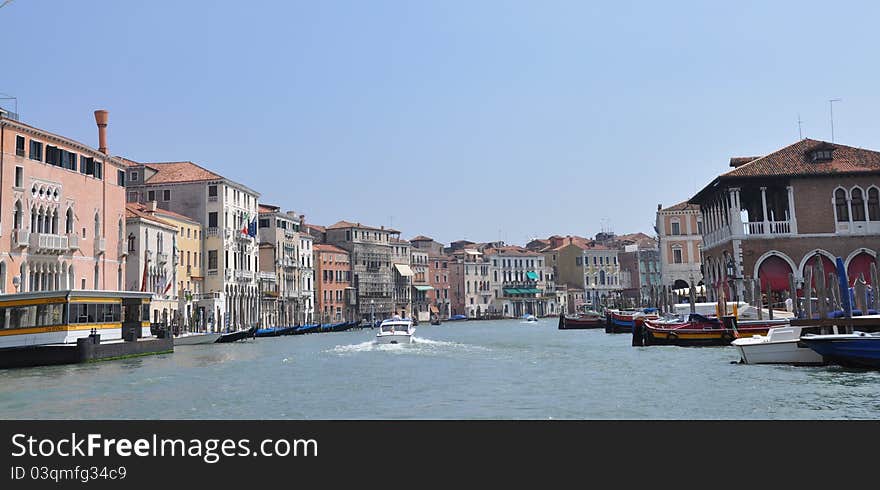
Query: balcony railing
73, 241
20, 238
212, 231
100, 245
267, 276
47, 243
212, 198
162, 257
244, 275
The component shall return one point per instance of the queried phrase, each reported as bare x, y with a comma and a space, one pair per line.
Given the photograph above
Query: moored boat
699, 330
781, 345
586, 320
196, 338
237, 335
618, 321
857, 349
456, 318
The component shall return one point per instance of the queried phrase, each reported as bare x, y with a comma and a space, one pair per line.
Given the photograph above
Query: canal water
503, 369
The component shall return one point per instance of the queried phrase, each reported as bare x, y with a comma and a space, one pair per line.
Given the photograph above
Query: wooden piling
759, 300
808, 292
859, 290
874, 285
821, 293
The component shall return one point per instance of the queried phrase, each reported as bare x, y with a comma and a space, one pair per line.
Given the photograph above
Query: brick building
773, 215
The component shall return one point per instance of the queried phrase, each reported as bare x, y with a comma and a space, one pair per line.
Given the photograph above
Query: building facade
63, 224
519, 279
227, 211
369, 249
152, 261
334, 293
680, 240
281, 272
777, 215
601, 274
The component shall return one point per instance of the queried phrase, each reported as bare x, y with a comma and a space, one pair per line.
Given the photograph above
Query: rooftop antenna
800, 131
831, 108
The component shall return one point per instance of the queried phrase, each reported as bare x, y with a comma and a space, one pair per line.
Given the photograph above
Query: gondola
237, 335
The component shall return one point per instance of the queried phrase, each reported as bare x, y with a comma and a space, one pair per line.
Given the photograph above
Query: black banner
123, 454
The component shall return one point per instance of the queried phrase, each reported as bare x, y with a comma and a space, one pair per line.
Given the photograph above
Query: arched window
857, 204
68, 221
840, 205
17, 215
874, 204
131, 239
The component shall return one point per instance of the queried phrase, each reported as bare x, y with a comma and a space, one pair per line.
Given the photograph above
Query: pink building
63, 211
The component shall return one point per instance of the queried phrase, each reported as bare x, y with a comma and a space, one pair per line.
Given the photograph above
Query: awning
404, 270
530, 291
434, 309
423, 288
511, 291
532, 275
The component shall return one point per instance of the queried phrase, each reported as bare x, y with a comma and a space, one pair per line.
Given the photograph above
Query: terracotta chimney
101, 117
153, 206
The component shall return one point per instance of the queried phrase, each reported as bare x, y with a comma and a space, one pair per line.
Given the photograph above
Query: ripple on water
418, 346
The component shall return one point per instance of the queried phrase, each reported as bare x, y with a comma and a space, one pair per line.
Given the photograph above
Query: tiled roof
348, 224
794, 160
511, 250
682, 206
267, 208
137, 210
740, 161
180, 172
421, 238
324, 247
177, 216
316, 228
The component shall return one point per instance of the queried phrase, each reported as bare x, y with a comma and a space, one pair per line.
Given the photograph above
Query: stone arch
68, 220
776, 264
809, 259
858, 262
769, 254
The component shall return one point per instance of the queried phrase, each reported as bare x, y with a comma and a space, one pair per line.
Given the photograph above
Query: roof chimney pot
101, 118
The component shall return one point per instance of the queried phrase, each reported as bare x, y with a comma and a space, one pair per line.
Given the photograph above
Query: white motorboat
195, 338
395, 331
530, 318
779, 346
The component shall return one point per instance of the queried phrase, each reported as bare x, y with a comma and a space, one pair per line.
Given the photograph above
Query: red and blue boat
699, 330
618, 321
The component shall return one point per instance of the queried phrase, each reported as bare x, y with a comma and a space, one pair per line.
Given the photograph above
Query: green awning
532, 275
511, 291
530, 291
423, 288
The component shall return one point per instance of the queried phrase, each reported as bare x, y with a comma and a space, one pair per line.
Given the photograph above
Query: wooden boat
857, 349
699, 330
456, 318
237, 335
435, 319
619, 321
581, 321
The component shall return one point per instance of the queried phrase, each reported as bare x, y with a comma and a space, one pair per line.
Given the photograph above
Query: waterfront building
438, 275
188, 273
334, 294
639, 270
403, 277
421, 285
680, 238
457, 297
228, 212
307, 278
565, 257
372, 273
476, 283
63, 220
519, 282
152, 260
280, 274
776, 215
601, 273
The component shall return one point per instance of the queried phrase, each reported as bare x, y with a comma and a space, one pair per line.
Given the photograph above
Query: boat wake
418, 346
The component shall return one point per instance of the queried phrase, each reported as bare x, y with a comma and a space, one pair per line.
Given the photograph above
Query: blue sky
455, 119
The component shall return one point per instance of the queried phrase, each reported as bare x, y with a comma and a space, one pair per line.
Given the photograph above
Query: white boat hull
197, 338
779, 353
396, 338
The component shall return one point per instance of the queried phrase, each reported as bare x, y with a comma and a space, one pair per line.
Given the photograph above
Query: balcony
212, 231
46, 243
72, 241
266, 276
287, 262
20, 238
100, 245
244, 275
162, 257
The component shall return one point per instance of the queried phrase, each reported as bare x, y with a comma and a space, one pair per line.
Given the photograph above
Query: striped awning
404, 270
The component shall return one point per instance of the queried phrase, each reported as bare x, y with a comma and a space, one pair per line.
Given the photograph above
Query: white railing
212, 231
20, 238
753, 228
767, 227
73, 241
48, 243
780, 227
244, 275
267, 276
